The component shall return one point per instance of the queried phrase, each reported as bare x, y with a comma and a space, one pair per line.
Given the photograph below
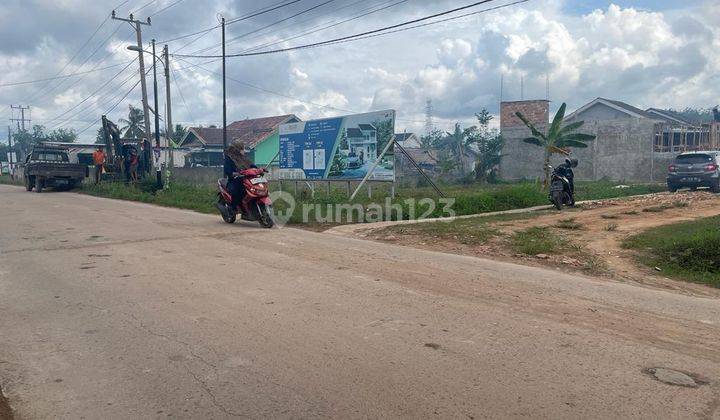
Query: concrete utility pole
224, 97
137, 25
168, 105
10, 154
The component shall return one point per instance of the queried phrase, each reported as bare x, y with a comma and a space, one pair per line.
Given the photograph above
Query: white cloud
647, 58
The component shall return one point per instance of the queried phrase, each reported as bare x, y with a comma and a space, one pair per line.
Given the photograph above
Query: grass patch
631, 213
470, 231
609, 216
569, 224
323, 207
5, 179
611, 227
663, 207
687, 251
536, 240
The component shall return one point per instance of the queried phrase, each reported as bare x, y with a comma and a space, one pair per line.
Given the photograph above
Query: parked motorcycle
560, 192
256, 206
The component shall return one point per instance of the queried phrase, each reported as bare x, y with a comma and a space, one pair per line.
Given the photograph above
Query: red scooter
256, 206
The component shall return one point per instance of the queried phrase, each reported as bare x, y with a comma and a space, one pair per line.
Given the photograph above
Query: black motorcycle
560, 192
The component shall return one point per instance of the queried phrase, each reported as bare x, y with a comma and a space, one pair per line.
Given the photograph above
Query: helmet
572, 162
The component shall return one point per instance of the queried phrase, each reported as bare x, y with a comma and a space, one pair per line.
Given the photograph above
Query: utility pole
10, 155
155, 93
22, 119
20, 125
156, 152
137, 25
168, 106
224, 97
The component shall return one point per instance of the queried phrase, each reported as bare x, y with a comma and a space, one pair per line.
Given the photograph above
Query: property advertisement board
339, 148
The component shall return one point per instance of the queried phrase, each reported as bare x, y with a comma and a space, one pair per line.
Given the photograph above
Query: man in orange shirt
99, 160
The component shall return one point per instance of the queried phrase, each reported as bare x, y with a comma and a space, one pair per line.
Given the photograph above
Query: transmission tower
429, 126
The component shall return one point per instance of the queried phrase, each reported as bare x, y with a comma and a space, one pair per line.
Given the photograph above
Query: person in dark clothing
566, 170
236, 161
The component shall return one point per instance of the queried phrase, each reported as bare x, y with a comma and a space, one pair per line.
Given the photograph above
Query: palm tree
558, 138
134, 126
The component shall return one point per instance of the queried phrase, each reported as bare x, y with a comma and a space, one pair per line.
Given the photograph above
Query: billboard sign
339, 148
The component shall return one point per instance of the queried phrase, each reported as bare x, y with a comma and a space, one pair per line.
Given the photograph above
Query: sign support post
372, 168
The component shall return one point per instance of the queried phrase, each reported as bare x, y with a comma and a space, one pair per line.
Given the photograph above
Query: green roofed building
260, 136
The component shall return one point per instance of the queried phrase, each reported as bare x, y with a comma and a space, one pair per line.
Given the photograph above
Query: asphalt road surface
111, 309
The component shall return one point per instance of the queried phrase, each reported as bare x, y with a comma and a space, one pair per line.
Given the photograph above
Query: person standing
134, 162
99, 159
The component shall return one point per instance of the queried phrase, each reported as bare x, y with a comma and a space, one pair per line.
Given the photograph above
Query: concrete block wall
622, 151
522, 160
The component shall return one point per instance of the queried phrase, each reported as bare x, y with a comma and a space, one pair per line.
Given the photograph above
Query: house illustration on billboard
362, 142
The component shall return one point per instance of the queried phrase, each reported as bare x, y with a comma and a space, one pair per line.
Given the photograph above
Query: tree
384, 132
100, 136
62, 135
24, 140
488, 145
179, 133
134, 125
558, 138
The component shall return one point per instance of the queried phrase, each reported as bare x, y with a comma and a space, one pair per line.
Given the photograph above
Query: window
50, 156
694, 159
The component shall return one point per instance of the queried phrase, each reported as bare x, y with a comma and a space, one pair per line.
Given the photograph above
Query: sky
649, 53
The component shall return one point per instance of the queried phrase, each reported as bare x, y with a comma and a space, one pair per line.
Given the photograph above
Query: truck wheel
39, 184
28, 184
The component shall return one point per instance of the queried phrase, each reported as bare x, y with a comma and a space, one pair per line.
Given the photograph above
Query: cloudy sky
660, 53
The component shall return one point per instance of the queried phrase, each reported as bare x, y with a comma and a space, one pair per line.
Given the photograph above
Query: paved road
111, 309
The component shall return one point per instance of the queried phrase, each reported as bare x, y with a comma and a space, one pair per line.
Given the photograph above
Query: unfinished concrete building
631, 145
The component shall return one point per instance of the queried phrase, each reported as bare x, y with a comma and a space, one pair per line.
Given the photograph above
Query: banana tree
558, 138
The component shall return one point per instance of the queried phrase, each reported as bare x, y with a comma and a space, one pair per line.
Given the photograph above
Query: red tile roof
251, 132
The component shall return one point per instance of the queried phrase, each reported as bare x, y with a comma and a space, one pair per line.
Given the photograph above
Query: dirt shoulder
586, 239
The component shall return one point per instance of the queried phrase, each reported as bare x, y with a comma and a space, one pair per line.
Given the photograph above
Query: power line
92, 94
348, 37
205, 32
165, 8
82, 47
231, 21
143, 6
489, 9
315, 29
270, 25
55, 88
26, 82
177, 85
285, 95
111, 108
91, 105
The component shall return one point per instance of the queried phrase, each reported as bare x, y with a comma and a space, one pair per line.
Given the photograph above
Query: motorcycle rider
566, 170
235, 161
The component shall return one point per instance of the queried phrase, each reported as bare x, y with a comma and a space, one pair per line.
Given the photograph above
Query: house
362, 141
408, 140
427, 160
260, 136
631, 143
